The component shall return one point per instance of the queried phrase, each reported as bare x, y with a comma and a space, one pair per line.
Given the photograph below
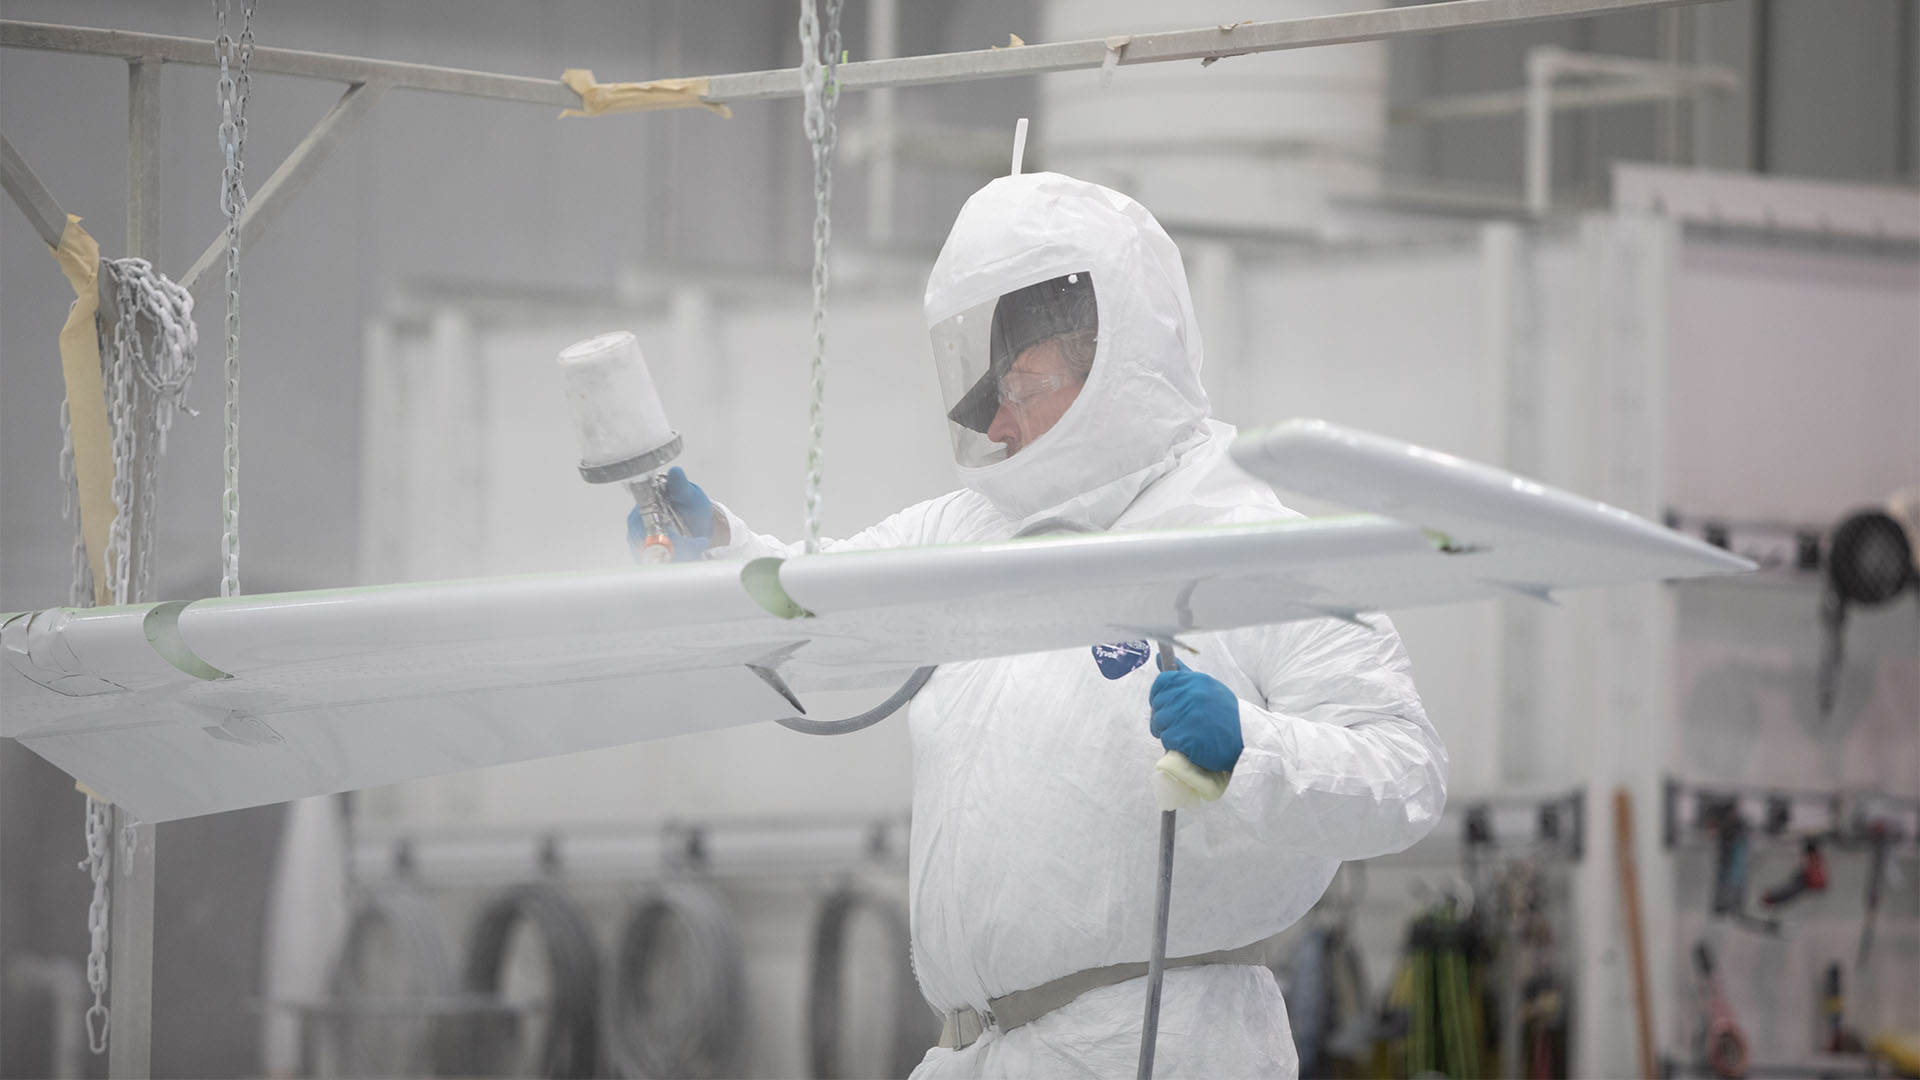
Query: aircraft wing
172, 710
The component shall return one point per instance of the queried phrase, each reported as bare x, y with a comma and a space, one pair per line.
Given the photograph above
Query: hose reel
570, 1014
913, 1024
392, 985
679, 987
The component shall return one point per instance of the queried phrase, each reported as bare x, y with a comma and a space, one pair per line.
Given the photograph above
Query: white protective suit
1035, 835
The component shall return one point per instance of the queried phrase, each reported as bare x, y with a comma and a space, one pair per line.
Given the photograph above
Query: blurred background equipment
1870, 562
393, 1005
531, 948
678, 1004
1665, 256
1722, 1045
842, 1021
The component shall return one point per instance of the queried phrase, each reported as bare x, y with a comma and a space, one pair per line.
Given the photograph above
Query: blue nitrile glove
1197, 715
695, 510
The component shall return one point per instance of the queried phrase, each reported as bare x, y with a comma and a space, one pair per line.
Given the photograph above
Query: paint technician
1070, 360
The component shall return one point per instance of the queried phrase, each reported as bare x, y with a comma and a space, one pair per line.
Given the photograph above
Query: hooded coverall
1034, 837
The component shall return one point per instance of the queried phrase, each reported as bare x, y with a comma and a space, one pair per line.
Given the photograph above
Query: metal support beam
35, 201
143, 160
1204, 43
130, 955
1559, 99
30, 195
346, 69
292, 175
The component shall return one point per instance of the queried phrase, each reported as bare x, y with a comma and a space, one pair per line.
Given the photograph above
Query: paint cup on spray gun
624, 437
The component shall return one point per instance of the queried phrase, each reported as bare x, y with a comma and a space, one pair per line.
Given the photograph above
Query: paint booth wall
1795, 396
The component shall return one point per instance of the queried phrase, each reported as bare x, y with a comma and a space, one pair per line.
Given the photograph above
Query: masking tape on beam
599, 99
79, 258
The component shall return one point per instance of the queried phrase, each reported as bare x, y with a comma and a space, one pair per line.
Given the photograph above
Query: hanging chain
819, 62
120, 412
234, 86
81, 592
99, 865
162, 360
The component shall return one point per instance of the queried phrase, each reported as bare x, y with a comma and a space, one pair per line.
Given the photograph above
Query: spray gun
624, 437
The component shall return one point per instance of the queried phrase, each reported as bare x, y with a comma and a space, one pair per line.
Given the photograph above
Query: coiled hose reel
678, 1000
570, 1028
392, 986
913, 1025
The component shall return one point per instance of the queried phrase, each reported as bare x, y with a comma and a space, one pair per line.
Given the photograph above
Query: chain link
162, 360
99, 865
234, 85
819, 62
80, 594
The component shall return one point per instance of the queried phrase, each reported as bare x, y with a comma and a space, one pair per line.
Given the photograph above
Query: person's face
1035, 393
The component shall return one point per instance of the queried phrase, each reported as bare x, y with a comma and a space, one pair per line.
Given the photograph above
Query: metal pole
292, 175
143, 160
130, 1017
882, 42
1157, 957
1196, 44
35, 201
1538, 143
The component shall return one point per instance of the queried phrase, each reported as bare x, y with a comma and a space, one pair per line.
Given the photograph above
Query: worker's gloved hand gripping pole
1197, 713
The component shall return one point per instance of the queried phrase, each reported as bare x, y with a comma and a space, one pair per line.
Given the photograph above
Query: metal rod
130, 958
346, 69
1157, 957
1210, 42
35, 201
143, 160
1560, 99
292, 175
1197, 44
30, 195
1537, 143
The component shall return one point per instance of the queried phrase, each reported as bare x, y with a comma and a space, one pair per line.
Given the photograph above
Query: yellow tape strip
79, 258
598, 99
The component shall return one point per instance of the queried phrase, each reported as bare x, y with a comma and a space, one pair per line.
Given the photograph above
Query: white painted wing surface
173, 710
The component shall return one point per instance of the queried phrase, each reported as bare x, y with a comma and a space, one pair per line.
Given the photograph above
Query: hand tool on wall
1835, 1036
1809, 877
1733, 851
1636, 940
1879, 838
1722, 1044
1869, 562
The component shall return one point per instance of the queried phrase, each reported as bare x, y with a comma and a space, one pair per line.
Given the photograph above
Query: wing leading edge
174, 710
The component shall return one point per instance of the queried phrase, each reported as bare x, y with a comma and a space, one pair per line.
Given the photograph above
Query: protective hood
1142, 402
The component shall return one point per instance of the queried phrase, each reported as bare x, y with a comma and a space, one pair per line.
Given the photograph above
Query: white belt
966, 1024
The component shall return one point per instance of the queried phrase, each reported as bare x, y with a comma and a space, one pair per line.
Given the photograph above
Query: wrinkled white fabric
1035, 836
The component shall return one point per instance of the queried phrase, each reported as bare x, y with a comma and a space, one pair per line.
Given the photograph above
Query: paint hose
678, 999
913, 1023
392, 957
571, 1023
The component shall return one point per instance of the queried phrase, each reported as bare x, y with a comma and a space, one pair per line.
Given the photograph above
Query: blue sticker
1117, 660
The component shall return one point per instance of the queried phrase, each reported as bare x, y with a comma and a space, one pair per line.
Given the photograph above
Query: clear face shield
1010, 367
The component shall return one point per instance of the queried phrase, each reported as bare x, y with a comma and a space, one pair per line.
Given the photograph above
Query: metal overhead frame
1618, 80
369, 79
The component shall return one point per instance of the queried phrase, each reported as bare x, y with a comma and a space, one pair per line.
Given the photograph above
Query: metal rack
1789, 814
716, 848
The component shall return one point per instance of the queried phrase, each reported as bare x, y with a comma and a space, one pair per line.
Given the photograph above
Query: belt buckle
964, 1026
